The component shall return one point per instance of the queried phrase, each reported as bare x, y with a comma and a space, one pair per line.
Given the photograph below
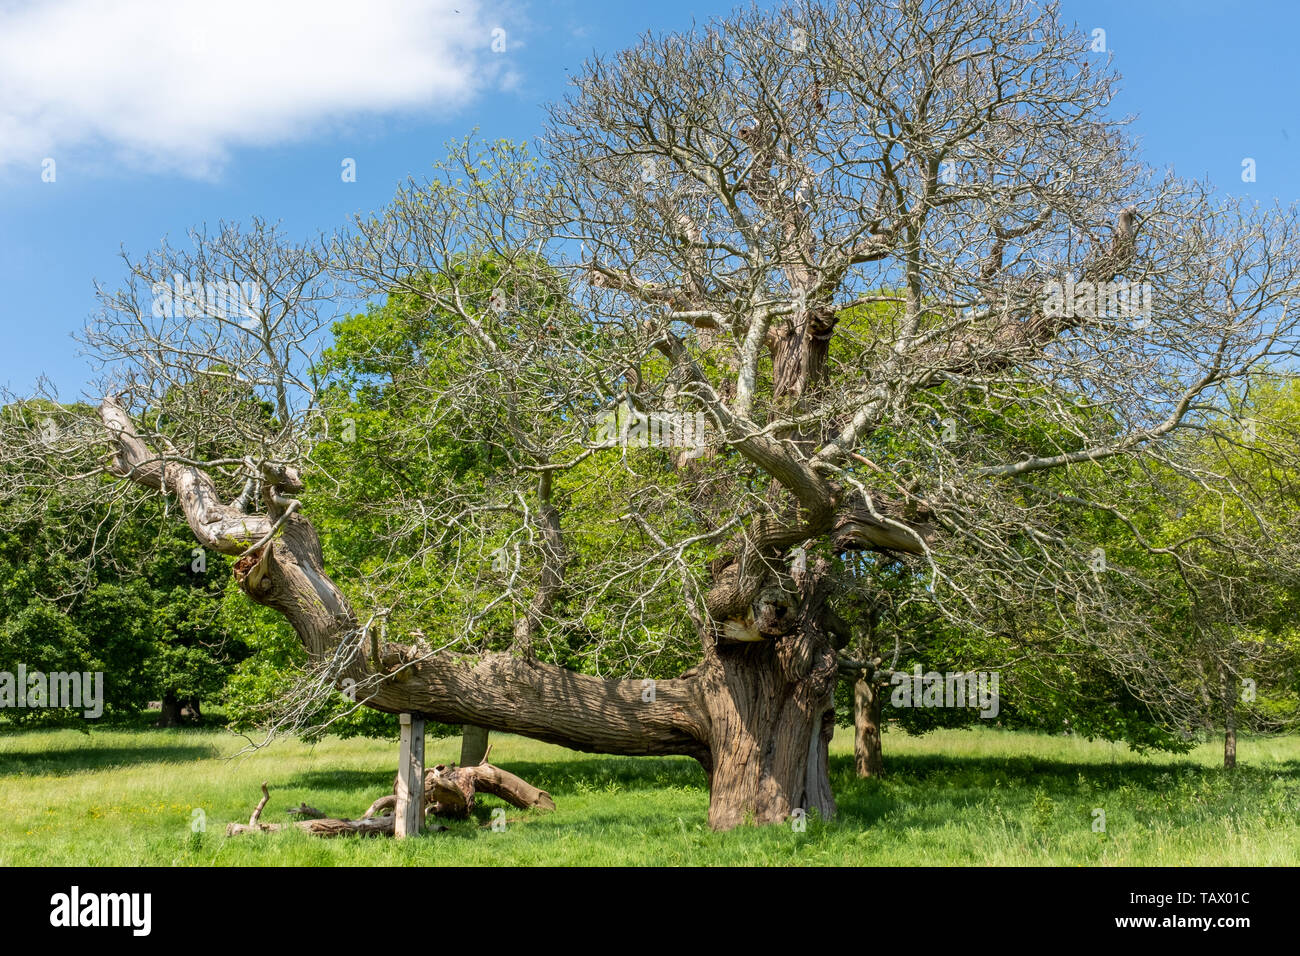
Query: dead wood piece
512, 789
257, 811
449, 791
327, 827
321, 826
388, 803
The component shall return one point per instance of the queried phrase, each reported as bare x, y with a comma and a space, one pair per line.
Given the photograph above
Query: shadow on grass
379, 781
958, 782
58, 762
611, 774
1047, 773
563, 777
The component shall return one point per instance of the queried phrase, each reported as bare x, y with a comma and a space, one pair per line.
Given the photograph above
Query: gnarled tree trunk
769, 733
868, 756
768, 690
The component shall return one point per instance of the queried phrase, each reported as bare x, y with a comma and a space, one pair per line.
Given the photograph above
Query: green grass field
983, 797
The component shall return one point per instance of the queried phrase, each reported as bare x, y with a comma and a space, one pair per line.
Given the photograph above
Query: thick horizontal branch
496, 691
550, 703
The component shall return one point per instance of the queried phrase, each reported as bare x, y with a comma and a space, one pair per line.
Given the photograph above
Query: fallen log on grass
317, 823
449, 791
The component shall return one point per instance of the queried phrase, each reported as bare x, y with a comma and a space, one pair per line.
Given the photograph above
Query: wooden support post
410, 779
473, 745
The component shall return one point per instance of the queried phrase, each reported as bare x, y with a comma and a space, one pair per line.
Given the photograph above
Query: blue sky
162, 115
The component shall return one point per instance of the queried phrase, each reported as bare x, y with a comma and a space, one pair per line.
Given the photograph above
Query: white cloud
177, 85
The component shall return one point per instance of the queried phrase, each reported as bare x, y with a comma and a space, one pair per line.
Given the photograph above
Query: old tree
876, 278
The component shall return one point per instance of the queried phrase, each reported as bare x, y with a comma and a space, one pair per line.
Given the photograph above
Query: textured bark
770, 679
284, 569
800, 348
750, 235
771, 708
447, 792
321, 825
769, 736
545, 702
326, 827
868, 757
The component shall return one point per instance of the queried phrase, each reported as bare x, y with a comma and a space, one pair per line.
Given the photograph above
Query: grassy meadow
981, 797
